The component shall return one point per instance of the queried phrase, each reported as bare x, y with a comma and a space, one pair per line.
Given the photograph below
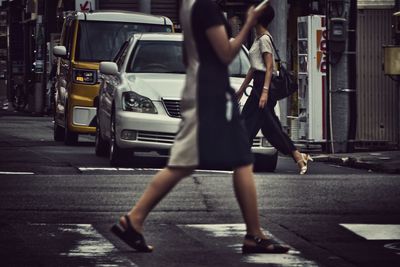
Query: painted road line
78, 243
375, 231
88, 169
395, 247
230, 233
16, 173
83, 169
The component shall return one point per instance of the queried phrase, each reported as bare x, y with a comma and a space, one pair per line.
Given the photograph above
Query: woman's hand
263, 100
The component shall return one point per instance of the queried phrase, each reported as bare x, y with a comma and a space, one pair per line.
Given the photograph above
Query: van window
101, 41
67, 35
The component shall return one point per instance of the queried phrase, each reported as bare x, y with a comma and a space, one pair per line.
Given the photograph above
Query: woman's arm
245, 84
227, 49
269, 63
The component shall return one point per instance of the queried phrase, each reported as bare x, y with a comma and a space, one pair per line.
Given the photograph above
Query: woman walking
258, 112
209, 116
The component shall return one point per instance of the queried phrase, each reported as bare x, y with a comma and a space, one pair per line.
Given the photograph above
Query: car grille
173, 107
168, 138
257, 142
155, 137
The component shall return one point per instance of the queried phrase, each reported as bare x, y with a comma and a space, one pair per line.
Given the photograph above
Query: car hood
157, 85
165, 85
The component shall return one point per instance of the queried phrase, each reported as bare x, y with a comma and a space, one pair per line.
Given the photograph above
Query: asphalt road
57, 204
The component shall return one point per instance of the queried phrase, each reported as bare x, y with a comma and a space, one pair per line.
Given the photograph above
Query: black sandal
130, 236
262, 246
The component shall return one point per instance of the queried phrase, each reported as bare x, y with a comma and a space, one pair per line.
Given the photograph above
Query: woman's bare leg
246, 195
298, 158
163, 182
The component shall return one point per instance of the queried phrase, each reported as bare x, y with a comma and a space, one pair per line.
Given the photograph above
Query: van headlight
137, 103
85, 76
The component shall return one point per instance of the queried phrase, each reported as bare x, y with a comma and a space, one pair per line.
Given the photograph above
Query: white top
260, 46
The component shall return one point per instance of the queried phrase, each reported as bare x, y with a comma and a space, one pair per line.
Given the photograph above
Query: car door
108, 90
64, 72
107, 100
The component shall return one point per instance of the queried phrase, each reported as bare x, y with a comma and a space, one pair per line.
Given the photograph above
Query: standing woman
211, 132
258, 112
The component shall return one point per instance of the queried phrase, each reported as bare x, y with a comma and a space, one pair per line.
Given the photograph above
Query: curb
376, 164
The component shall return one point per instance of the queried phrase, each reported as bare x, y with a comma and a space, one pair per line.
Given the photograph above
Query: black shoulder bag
284, 84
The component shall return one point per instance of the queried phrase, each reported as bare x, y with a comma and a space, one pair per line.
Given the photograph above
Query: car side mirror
108, 68
60, 51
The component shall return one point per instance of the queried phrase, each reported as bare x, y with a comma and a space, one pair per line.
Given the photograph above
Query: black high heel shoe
263, 246
130, 236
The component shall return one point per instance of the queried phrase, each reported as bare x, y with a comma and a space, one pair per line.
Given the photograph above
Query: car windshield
240, 65
100, 40
166, 57
157, 57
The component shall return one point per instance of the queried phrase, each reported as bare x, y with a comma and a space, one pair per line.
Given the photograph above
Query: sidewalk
381, 161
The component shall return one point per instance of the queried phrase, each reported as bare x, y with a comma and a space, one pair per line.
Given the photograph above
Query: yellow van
86, 40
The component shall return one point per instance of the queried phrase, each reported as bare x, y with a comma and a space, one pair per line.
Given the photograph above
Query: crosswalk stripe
221, 231
81, 241
375, 231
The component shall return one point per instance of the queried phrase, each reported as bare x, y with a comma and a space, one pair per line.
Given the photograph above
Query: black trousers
265, 119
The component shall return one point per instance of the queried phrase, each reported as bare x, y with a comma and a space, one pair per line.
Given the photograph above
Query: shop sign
85, 5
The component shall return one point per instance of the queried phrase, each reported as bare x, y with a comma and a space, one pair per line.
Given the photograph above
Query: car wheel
265, 163
58, 132
70, 138
118, 156
101, 147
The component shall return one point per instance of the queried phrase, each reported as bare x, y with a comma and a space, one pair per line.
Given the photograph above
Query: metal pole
397, 42
340, 86
329, 144
39, 65
278, 29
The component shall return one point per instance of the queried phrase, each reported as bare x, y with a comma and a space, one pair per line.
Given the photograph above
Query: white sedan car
139, 99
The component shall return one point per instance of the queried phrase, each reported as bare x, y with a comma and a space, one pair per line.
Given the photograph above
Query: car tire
70, 138
119, 157
58, 132
101, 145
265, 163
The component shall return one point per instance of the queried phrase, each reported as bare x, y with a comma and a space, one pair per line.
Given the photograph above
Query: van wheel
265, 163
119, 157
101, 147
70, 138
58, 132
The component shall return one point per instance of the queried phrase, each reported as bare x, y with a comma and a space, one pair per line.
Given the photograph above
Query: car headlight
137, 103
85, 76
264, 142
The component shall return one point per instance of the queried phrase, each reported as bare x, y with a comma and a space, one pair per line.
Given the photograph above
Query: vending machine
312, 67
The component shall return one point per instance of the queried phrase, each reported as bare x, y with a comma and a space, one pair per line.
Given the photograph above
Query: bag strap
275, 49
